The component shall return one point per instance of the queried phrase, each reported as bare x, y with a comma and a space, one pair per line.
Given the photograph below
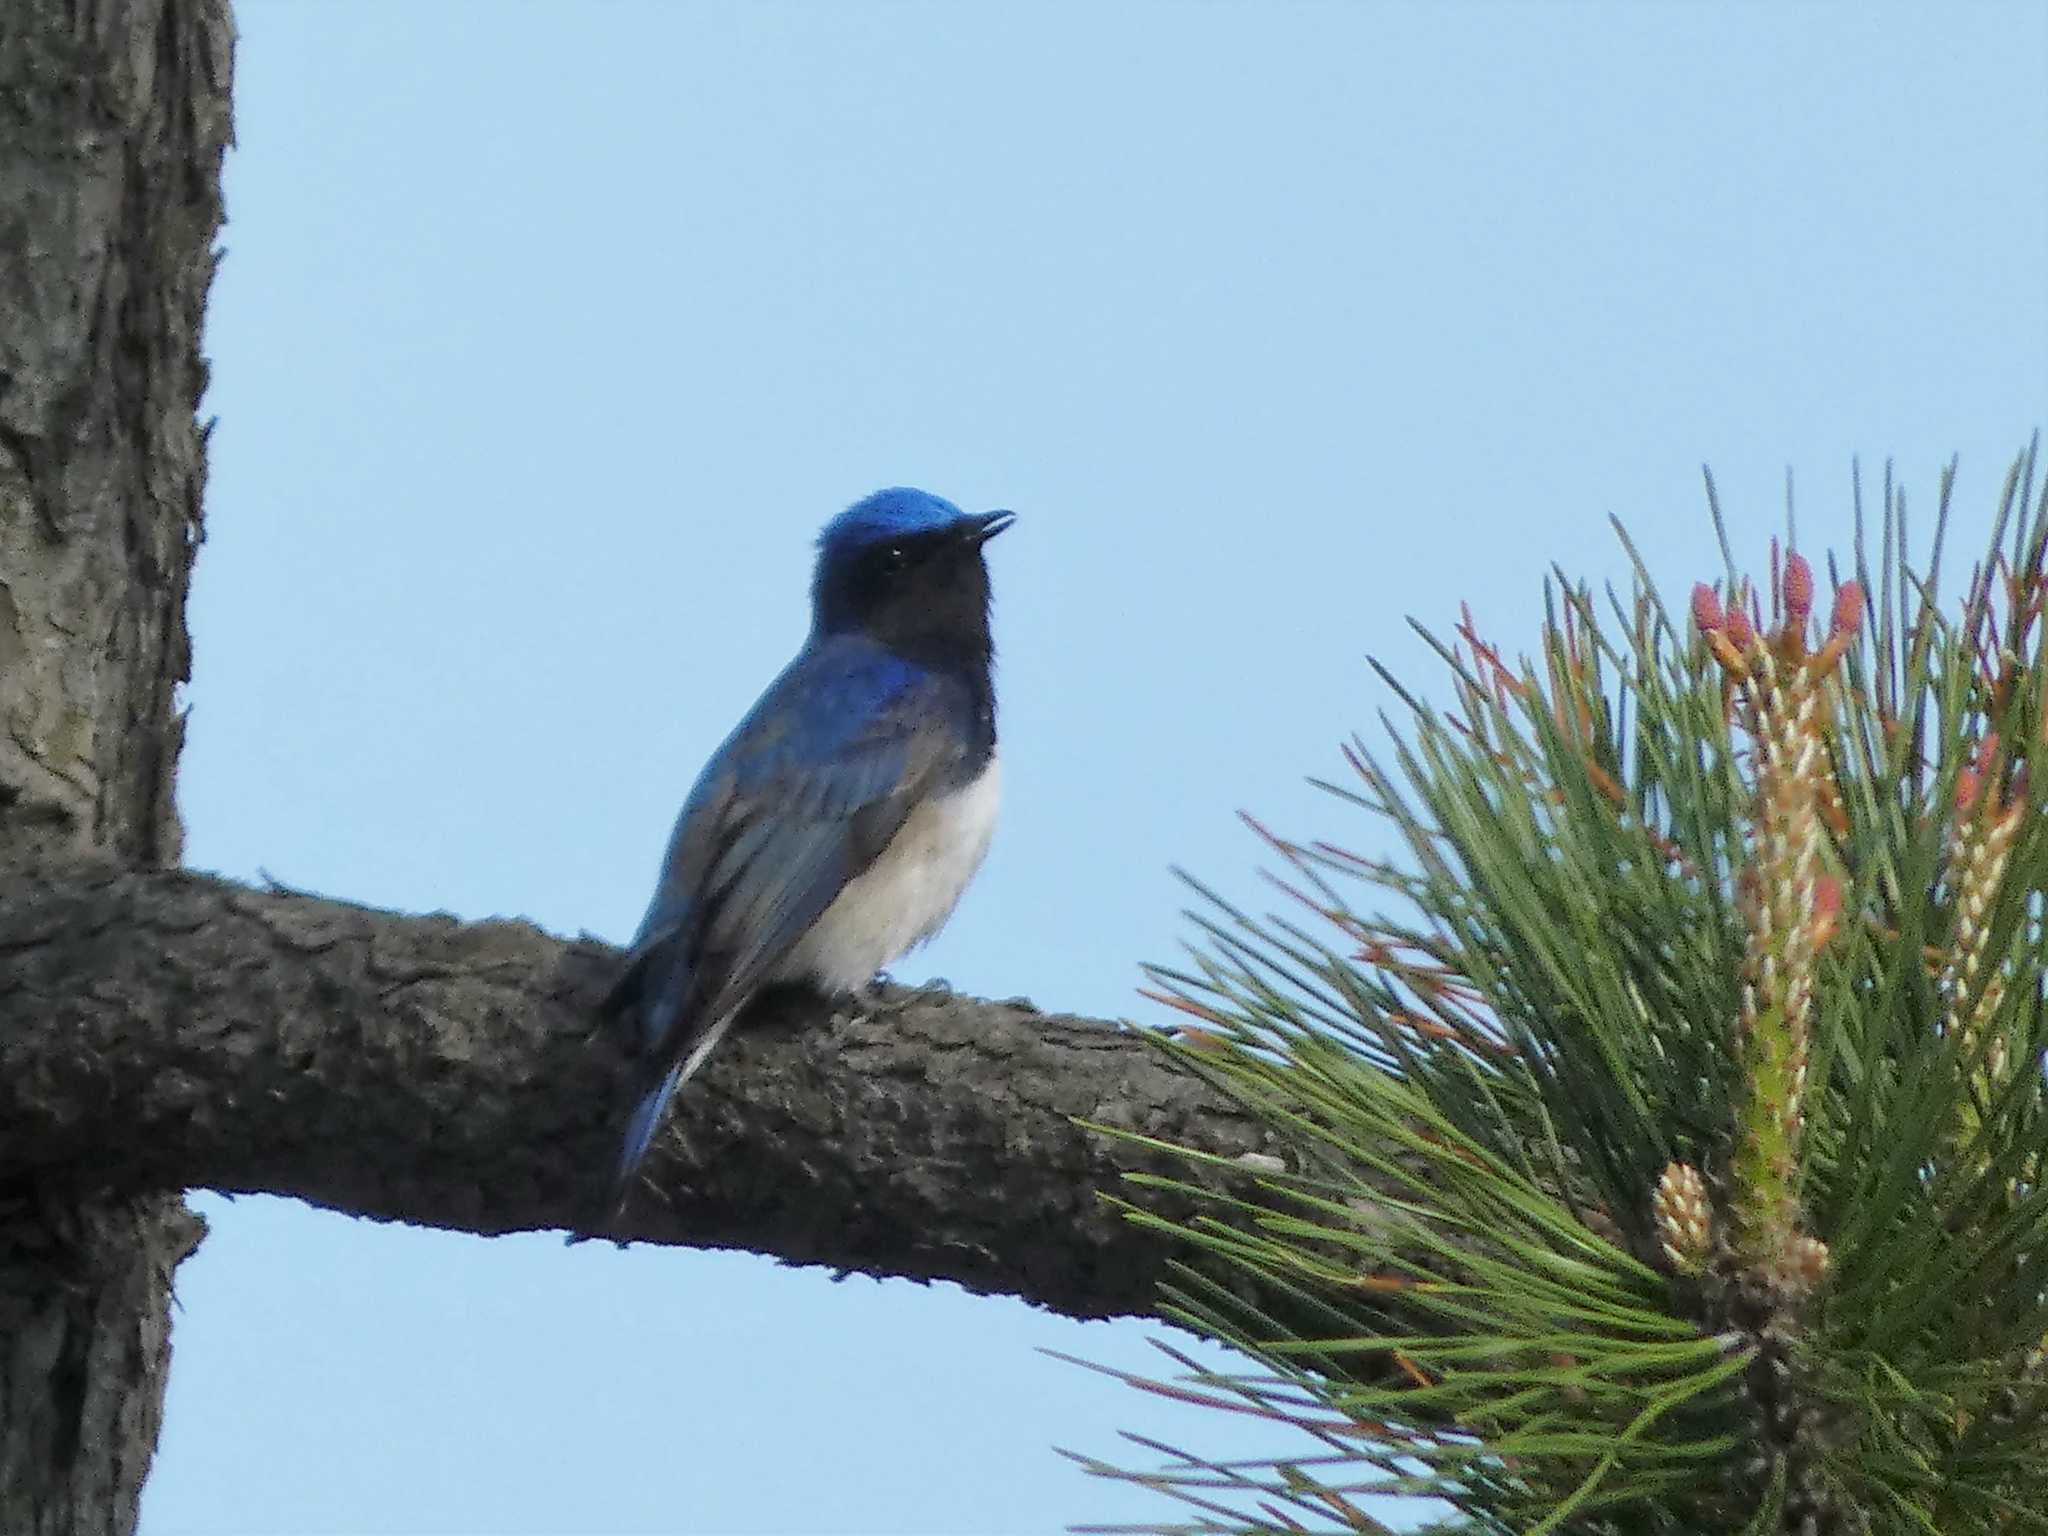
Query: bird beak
985, 527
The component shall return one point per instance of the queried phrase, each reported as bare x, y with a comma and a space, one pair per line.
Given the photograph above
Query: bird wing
800, 799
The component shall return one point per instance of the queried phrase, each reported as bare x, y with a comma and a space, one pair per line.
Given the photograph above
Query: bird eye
896, 559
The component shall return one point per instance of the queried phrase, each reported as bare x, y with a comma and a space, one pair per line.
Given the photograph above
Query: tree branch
171, 1030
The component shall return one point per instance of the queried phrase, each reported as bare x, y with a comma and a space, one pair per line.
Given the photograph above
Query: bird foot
885, 994
862, 1003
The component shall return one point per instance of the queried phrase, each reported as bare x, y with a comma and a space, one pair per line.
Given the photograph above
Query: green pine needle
1658, 925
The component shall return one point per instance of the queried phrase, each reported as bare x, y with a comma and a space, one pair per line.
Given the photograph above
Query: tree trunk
113, 118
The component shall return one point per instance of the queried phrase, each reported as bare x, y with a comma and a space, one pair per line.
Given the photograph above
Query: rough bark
169, 1030
113, 118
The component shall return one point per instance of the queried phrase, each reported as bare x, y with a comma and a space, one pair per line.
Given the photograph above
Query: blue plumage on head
899, 512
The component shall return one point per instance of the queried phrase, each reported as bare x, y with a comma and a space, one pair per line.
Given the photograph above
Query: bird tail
640, 1131
648, 1114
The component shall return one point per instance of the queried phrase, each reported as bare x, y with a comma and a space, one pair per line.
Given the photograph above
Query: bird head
906, 567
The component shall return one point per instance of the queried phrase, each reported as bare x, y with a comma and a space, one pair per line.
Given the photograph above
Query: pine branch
170, 1030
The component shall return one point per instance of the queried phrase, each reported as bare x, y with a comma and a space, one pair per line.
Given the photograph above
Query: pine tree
1664, 1124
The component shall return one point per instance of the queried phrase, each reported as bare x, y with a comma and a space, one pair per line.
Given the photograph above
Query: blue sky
548, 334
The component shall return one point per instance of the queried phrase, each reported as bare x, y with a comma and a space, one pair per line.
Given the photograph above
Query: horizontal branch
172, 1030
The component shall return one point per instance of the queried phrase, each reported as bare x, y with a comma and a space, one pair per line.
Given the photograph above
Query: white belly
907, 894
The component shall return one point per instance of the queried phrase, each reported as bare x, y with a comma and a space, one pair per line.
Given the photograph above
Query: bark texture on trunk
113, 118
167, 1029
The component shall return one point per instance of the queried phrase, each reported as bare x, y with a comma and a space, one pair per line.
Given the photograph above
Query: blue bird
842, 819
